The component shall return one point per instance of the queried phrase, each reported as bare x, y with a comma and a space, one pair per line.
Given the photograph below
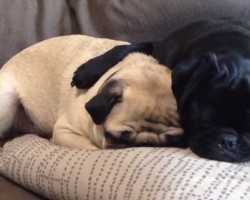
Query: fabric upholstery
134, 173
11, 191
25, 22
137, 20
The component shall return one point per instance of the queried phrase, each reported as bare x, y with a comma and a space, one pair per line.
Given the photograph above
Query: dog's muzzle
223, 145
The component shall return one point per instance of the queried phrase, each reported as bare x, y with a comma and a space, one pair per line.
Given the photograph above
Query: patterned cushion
133, 173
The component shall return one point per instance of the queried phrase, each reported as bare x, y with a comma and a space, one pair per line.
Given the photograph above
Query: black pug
210, 60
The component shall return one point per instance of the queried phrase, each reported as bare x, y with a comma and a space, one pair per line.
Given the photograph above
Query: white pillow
134, 173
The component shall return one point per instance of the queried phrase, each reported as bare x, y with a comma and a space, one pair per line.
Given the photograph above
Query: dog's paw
86, 75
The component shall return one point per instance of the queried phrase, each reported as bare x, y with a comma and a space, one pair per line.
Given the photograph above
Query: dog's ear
191, 73
101, 104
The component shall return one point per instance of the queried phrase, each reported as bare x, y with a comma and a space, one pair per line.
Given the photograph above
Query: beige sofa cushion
133, 173
149, 20
25, 22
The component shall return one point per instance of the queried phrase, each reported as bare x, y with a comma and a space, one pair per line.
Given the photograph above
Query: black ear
191, 73
101, 104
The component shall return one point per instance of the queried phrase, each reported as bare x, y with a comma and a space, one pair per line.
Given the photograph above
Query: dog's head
213, 100
136, 105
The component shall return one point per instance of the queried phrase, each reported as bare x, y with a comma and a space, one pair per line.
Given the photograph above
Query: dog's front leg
67, 138
64, 136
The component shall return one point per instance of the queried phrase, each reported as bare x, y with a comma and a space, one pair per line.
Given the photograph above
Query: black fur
211, 82
101, 104
88, 73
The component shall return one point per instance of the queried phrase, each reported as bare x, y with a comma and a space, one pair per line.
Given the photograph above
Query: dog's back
217, 36
39, 75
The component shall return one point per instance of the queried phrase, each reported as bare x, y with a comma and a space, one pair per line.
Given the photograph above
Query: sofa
134, 173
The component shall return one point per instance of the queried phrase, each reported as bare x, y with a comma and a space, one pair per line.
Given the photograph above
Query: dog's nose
227, 141
125, 138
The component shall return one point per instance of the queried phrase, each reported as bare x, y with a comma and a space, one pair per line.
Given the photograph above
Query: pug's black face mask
213, 99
